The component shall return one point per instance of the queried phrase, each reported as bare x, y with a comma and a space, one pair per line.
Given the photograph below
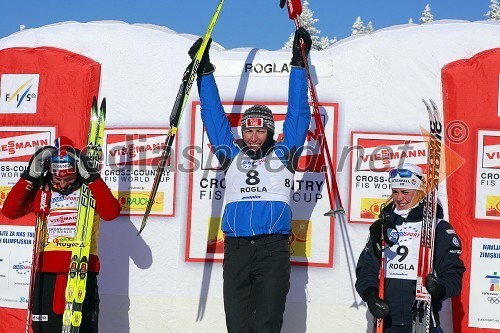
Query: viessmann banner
129, 168
312, 232
373, 154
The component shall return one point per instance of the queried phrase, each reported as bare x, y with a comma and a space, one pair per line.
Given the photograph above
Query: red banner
472, 123
45, 92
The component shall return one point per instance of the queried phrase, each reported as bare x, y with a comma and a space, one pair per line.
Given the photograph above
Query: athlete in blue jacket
259, 176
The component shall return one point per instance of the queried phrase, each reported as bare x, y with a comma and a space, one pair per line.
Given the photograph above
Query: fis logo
19, 93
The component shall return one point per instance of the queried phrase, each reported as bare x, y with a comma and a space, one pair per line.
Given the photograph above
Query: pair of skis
294, 11
80, 251
422, 309
176, 113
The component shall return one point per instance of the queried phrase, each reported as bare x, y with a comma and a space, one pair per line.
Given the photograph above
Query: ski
80, 250
294, 10
175, 116
378, 326
421, 310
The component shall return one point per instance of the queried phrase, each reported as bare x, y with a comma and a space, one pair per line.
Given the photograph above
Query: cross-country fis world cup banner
488, 176
311, 241
373, 155
129, 165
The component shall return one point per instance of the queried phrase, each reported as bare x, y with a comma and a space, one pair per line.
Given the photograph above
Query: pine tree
307, 21
494, 13
358, 27
369, 28
427, 15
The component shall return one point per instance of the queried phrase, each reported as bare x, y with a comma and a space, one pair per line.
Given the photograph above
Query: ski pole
294, 11
379, 322
176, 114
41, 207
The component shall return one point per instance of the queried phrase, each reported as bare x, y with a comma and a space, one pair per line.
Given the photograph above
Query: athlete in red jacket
62, 169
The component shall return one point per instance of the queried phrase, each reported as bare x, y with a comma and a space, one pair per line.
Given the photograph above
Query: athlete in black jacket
403, 217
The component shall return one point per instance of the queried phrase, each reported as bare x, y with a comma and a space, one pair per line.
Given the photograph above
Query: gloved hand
436, 289
84, 165
282, 3
297, 60
39, 163
377, 306
205, 67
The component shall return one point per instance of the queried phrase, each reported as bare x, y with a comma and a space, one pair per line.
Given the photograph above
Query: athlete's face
403, 198
255, 137
64, 182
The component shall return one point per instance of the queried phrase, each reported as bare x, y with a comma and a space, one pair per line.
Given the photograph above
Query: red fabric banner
41, 87
470, 100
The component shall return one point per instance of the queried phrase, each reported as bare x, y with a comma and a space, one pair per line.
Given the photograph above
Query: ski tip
94, 102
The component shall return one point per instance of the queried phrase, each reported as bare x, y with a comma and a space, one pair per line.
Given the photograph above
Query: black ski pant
45, 320
256, 282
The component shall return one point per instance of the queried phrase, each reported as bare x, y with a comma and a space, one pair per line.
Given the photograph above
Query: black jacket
400, 293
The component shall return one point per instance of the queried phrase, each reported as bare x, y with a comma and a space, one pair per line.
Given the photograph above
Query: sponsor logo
370, 207
19, 93
492, 205
40, 317
133, 149
491, 152
138, 201
3, 194
23, 268
23, 145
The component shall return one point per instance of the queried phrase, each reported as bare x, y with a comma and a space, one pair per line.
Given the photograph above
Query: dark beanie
258, 116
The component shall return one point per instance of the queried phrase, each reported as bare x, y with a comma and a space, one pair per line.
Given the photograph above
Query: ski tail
421, 309
176, 113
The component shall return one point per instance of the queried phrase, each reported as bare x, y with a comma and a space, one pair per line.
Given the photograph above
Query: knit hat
407, 176
62, 164
258, 116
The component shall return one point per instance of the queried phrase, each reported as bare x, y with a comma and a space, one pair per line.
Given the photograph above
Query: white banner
373, 154
484, 293
16, 250
129, 167
488, 176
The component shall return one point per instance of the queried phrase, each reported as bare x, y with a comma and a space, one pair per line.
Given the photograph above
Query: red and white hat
62, 164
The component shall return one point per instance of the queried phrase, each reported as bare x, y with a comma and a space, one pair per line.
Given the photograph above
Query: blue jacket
250, 218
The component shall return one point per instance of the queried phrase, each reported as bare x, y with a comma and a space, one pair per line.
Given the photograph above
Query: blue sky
257, 23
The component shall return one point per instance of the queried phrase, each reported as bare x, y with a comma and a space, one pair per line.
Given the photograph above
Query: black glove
86, 168
205, 67
282, 3
39, 163
377, 306
297, 59
436, 289
390, 235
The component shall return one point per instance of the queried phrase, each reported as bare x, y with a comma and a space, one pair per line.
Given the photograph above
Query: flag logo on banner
19, 93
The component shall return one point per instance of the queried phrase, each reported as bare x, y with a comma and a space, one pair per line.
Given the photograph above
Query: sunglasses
403, 173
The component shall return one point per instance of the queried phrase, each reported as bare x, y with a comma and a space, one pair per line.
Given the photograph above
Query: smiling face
403, 198
254, 138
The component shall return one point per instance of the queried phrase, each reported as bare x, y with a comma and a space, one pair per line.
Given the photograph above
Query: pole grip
294, 8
